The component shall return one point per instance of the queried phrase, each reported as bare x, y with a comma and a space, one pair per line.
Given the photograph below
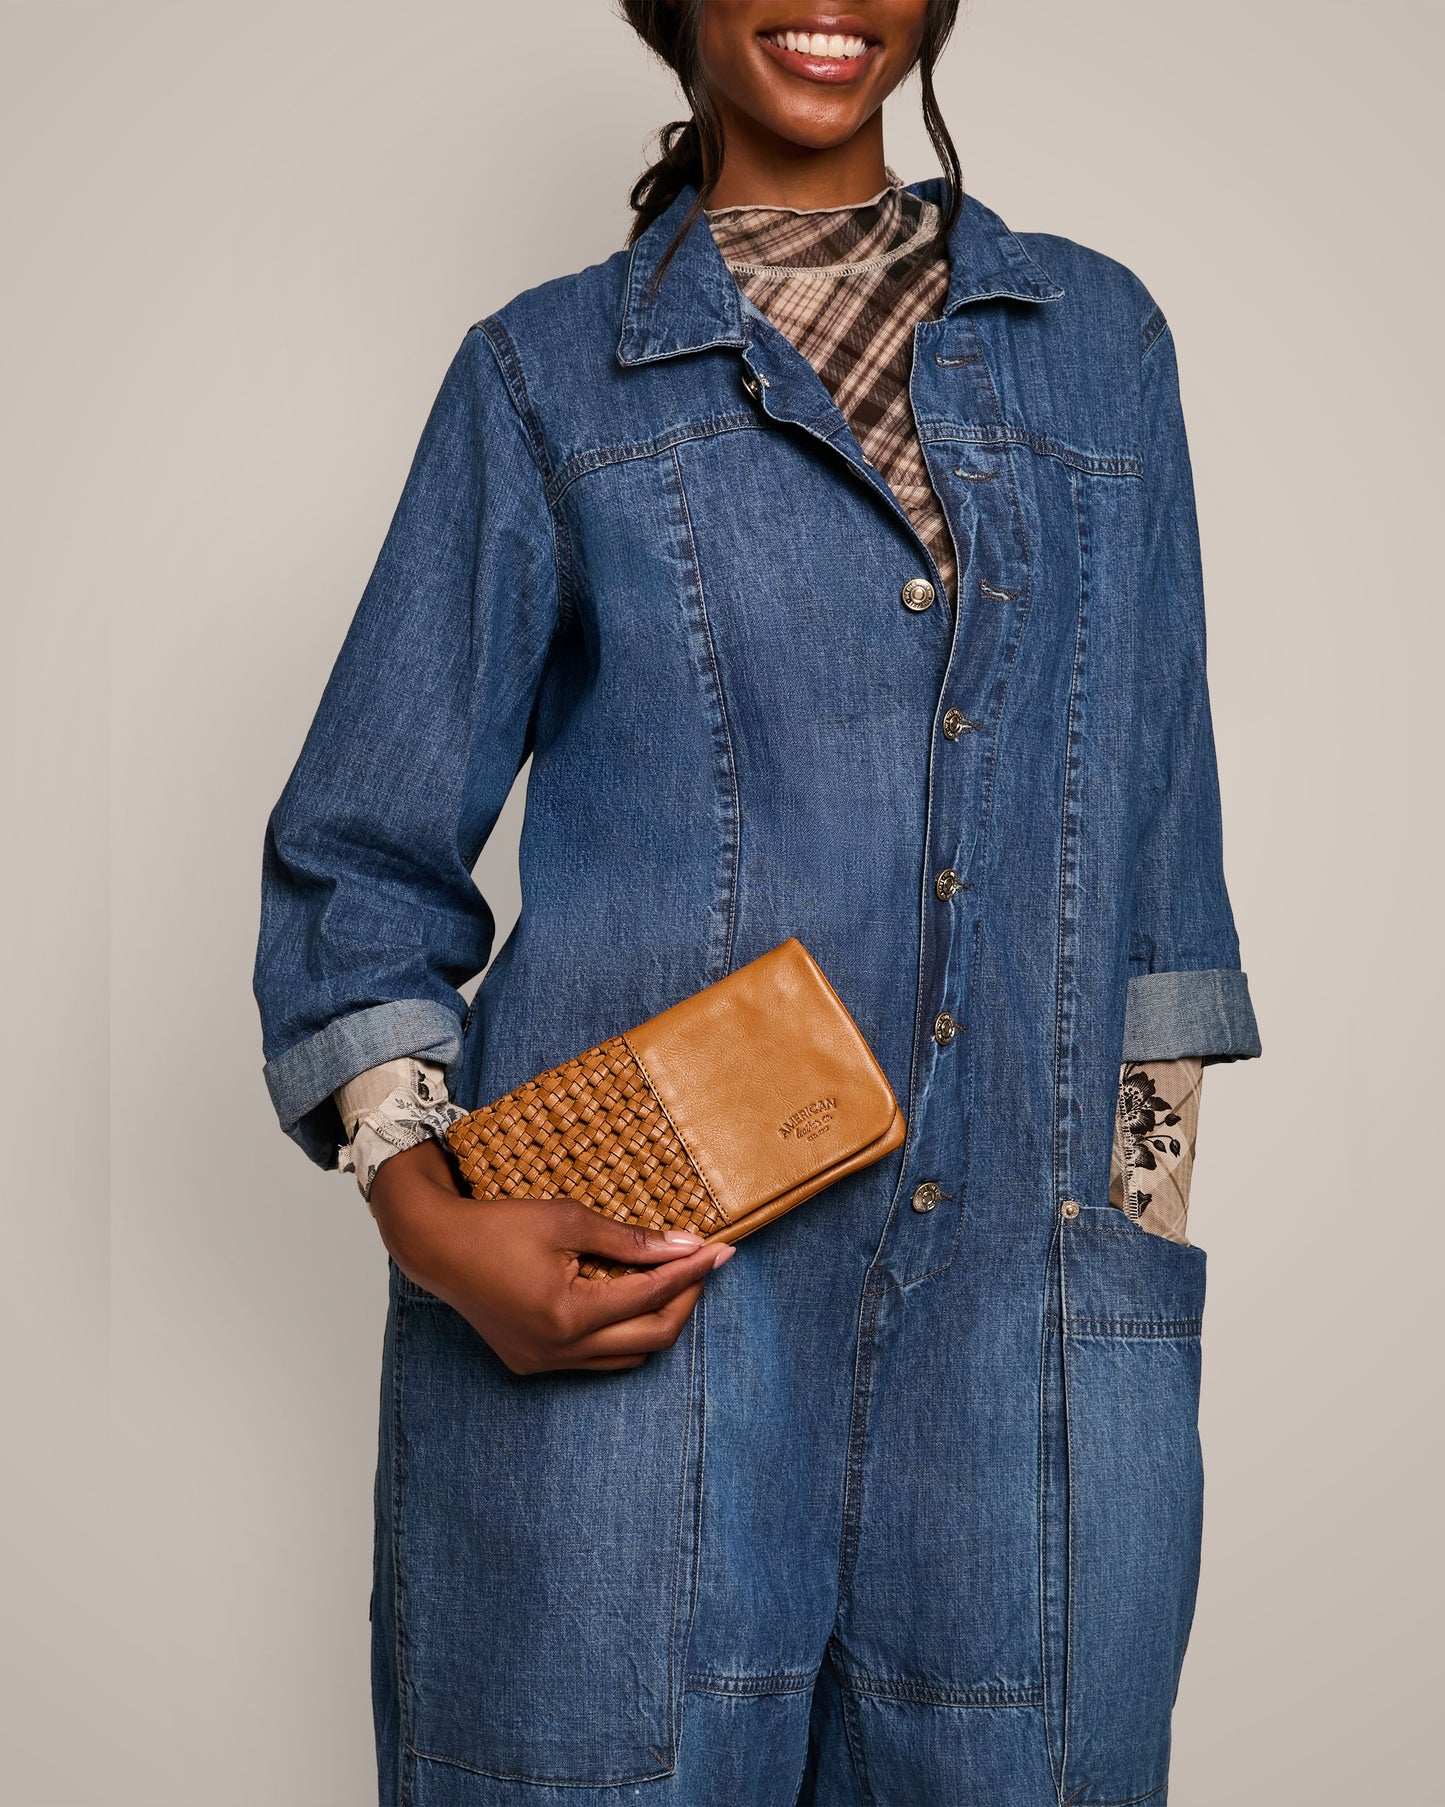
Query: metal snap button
750, 383
917, 595
948, 884
944, 1028
926, 1196
955, 722
1069, 1208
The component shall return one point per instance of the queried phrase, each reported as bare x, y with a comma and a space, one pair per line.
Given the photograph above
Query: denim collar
699, 303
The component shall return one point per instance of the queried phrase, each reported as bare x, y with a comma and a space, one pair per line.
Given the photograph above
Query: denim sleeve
369, 917
1187, 994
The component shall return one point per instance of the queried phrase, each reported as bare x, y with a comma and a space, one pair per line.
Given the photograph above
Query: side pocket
1123, 1500
542, 1529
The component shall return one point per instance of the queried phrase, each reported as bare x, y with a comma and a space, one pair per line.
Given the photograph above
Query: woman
831, 552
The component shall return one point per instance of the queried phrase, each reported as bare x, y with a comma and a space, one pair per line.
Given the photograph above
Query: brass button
1069, 1208
944, 1028
955, 722
750, 383
917, 594
926, 1196
948, 884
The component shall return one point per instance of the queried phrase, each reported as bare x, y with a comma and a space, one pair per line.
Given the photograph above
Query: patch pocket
543, 1530
1123, 1499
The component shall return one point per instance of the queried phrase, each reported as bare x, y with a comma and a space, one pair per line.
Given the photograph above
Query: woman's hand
509, 1266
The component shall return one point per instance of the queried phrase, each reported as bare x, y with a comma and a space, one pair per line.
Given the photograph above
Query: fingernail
683, 1239
725, 1253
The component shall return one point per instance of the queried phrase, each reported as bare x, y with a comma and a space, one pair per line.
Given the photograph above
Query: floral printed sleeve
1154, 1132
388, 1108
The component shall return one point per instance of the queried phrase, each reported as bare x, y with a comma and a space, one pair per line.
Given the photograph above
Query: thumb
585, 1230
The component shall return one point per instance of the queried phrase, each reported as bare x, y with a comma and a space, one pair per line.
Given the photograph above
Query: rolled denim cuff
1172, 1015
302, 1079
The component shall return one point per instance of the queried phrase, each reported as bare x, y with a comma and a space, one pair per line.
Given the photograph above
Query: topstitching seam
732, 767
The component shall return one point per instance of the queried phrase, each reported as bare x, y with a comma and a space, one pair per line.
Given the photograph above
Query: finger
585, 1231
565, 1363
642, 1335
594, 1303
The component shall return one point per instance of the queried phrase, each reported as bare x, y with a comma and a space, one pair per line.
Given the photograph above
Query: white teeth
820, 43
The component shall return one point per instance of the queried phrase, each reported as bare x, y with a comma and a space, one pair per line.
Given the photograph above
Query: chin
814, 126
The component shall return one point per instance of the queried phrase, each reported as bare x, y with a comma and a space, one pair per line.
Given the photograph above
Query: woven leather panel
592, 1129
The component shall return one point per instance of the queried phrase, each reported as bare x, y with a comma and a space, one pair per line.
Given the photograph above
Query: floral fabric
1154, 1133
389, 1108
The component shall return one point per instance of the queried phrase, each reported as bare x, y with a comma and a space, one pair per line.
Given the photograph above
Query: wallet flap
766, 1078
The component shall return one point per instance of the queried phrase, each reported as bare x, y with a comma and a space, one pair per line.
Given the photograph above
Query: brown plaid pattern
847, 285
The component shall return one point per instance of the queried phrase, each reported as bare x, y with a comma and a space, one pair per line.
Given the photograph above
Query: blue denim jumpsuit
911, 1512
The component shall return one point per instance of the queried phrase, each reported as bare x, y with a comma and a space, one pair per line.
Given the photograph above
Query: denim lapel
698, 304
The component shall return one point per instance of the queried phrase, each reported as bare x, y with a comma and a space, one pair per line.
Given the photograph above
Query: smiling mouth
820, 56
831, 46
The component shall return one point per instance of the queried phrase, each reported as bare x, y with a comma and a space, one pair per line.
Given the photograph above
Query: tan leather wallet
717, 1116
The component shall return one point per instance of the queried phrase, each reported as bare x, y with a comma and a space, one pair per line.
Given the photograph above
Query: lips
825, 48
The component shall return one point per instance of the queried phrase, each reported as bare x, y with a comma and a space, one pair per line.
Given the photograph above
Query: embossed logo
806, 1125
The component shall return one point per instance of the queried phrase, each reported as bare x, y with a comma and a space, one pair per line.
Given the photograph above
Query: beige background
241, 244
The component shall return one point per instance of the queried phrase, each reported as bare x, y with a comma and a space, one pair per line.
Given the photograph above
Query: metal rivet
917, 595
955, 722
944, 1028
1069, 1208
